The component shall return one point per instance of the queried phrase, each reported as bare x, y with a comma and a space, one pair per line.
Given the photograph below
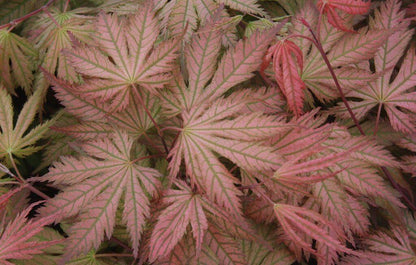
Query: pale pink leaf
238, 64
225, 247
14, 239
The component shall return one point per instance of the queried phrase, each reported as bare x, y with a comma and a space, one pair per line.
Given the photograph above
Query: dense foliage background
207, 132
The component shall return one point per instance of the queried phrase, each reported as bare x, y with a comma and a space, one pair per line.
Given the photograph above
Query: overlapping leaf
127, 57
52, 36
297, 219
15, 138
14, 239
180, 13
395, 97
17, 57
345, 51
185, 208
392, 247
329, 7
94, 190
209, 126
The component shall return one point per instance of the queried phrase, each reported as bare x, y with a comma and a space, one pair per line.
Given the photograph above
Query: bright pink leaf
349, 6
288, 64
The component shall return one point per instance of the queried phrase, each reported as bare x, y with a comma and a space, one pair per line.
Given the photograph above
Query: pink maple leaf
354, 7
287, 63
14, 237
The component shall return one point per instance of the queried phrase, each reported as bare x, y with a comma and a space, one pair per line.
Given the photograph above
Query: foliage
207, 132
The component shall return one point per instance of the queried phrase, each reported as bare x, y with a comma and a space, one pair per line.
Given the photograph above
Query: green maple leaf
15, 138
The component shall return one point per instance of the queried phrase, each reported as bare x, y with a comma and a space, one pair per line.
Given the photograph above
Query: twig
318, 45
16, 21
24, 182
395, 185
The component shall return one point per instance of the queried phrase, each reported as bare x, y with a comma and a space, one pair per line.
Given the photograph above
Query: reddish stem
317, 43
23, 182
51, 17
16, 21
66, 5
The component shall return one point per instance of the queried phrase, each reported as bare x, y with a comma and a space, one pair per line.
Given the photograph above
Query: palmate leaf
329, 7
257, 254
15, 138
14, 239
185, 208
209, 126
393, 247
395, 97
94, 190
51, 39
179, 13
16, 61
344, 50
127, 57
294, 219
93, 113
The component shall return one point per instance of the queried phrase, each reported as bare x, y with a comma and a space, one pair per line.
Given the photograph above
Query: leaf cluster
207, 132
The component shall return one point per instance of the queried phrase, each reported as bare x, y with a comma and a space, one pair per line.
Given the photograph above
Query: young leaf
288, 65
349, 6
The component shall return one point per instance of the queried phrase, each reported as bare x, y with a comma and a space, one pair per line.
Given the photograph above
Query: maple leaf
185, 208
127, 57
179, 14
346, 53
17, 61
257, 254
95, 185
208, 123
52, 33
294, 219
349, 6
225, 247
15, 139
14, 237
395, 97
287, 63
392, 247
